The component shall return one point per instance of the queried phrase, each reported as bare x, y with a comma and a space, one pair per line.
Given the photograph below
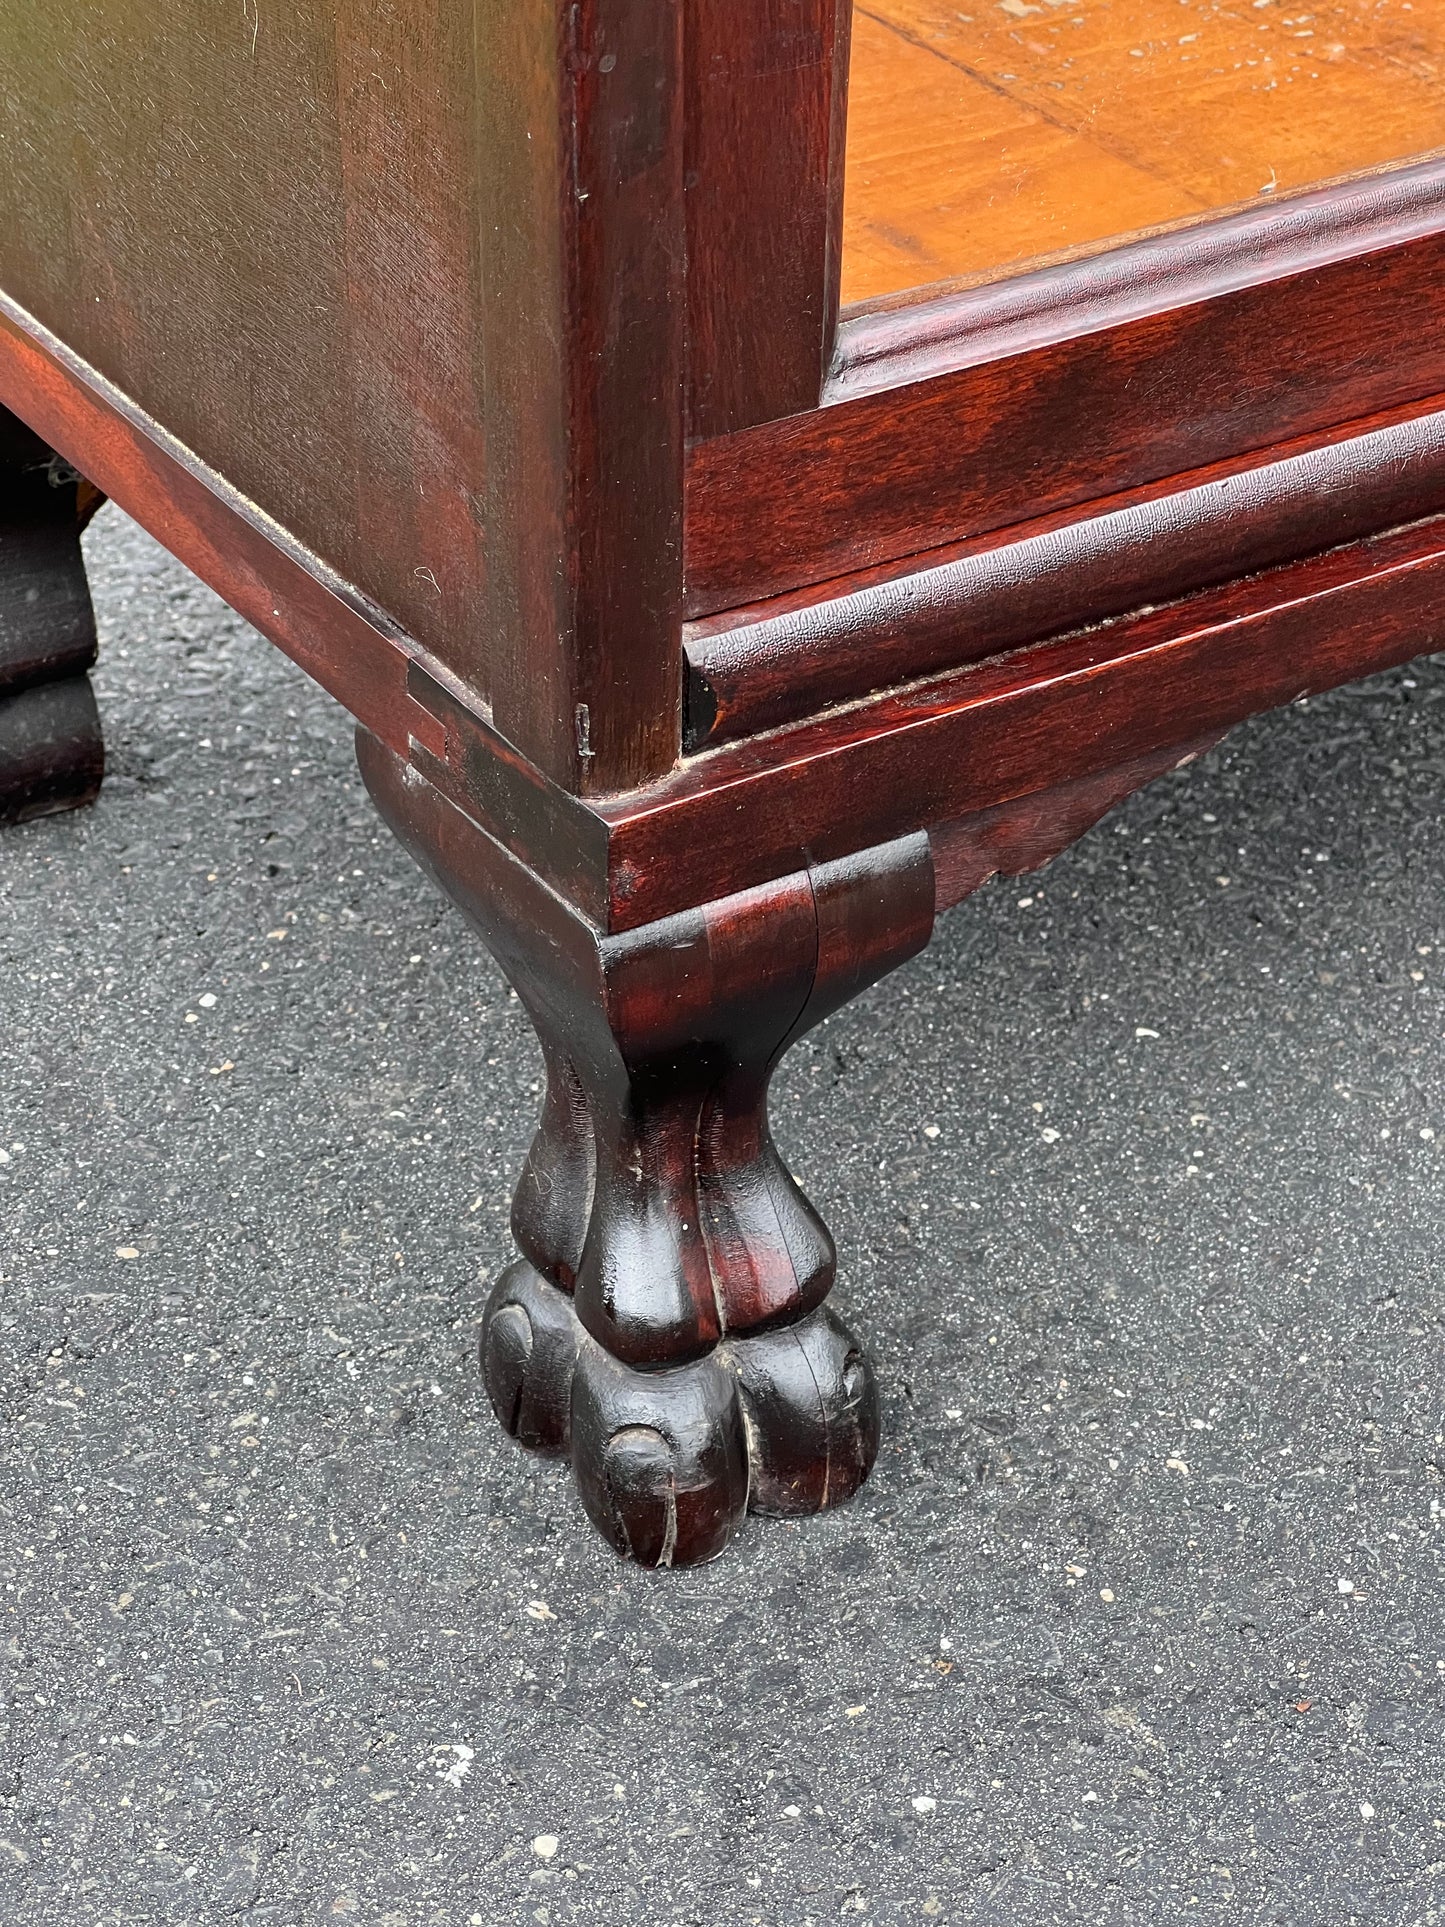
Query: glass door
995, 133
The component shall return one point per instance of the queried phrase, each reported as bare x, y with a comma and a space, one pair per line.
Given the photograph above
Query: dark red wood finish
654, 1199
1011, 839
777, 661
766, 93
1033, 417
584, 308
262, 223
1027, 721
905, 339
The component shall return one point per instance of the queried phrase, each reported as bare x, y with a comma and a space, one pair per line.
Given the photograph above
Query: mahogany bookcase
705, 639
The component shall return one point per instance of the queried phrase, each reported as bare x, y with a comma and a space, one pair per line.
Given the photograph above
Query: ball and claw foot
782, 1421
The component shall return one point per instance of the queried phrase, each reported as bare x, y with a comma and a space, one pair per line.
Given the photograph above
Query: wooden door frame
961, 413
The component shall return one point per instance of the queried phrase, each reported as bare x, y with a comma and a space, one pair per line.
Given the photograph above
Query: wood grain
321, 622
918, 335
982, 137
776, 661
262, 223
584, 318
1026, 721
764, 141
410, 278
741, 815
698, 1368
1010, 839
899, 471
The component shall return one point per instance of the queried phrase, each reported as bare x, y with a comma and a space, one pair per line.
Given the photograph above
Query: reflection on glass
985, 134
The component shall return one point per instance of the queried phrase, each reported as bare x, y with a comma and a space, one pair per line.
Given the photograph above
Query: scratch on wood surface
251, 13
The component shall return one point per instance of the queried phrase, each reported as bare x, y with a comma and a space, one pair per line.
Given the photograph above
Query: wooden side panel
350, 649
261, 222
584, 325
766, 100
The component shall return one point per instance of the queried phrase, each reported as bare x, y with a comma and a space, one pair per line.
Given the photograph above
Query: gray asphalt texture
1137, 1180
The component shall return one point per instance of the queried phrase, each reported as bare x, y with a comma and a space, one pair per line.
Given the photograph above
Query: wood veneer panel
262, 223
983, 136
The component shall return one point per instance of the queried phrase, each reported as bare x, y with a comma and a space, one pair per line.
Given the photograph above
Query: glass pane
987, 135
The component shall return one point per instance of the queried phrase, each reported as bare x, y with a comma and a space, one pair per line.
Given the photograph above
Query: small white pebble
545, 1845
792, 1813
126, 1251
1106, 1595
923, 1803
930, 1130
1367, 1812
1143, 1030
1345, 1585
1177, 1465
1049, 1135
1427, 1131
1026, 903
208, 1002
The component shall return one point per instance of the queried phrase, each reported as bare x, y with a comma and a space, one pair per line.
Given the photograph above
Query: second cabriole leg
666, 1323
51, 755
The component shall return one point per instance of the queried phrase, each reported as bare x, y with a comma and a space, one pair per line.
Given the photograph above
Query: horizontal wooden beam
1038, 427
777, 661
924, 333
1027, 721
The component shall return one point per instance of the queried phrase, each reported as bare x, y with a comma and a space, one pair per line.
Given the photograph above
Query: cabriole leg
666, 1324
51, 755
